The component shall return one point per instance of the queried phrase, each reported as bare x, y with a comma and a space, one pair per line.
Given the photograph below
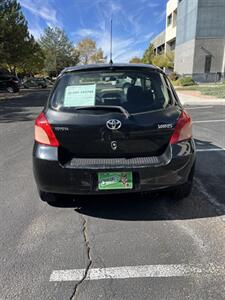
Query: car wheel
183, 191
10, 89
49, 197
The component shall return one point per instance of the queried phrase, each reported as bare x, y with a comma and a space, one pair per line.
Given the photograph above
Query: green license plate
115, 181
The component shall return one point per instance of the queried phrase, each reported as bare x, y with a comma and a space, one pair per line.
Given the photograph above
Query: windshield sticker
80, 95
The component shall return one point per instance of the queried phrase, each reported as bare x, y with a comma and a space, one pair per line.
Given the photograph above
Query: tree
35, 58
1, 33
135, 60
89, 53
98, 57
14, 34
148, 55
165, 60
58, 50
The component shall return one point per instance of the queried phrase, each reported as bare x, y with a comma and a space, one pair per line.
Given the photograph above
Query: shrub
186, 81
176, 82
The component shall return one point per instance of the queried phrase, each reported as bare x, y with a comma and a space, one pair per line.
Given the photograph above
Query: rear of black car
113, 129
9, 83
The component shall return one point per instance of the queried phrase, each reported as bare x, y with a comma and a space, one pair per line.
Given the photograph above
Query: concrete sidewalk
189, 98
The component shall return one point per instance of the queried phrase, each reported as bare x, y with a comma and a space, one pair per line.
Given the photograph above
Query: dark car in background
9, 83
35, 83
97, 137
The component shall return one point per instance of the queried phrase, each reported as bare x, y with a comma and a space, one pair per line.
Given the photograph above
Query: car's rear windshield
135, 91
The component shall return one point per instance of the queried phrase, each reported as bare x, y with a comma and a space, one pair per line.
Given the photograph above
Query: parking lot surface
123, 247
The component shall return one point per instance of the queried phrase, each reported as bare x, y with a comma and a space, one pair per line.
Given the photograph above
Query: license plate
115, 181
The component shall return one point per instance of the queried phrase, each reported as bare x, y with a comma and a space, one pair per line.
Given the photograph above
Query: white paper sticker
80, 95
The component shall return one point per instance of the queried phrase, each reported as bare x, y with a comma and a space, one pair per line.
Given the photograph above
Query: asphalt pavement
123, 247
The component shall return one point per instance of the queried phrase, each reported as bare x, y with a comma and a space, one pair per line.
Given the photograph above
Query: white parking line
151, 271
198, 107
209, 121
211, 150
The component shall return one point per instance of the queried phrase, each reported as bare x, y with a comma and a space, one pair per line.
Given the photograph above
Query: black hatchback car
9, 83
96, 136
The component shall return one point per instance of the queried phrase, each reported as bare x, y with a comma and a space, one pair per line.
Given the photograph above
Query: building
166, 40
195, 31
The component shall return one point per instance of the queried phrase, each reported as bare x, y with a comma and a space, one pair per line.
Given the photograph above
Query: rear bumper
80, 176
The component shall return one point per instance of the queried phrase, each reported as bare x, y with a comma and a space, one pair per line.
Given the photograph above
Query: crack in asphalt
85, 235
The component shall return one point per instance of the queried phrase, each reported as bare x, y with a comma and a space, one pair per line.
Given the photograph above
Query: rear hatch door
85, 133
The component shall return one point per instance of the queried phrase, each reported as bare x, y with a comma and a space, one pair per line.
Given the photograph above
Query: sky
135, 22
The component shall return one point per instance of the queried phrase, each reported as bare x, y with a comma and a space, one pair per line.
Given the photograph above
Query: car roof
109, 66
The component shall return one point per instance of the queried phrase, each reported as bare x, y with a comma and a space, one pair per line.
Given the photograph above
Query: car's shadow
206, 200
148, 207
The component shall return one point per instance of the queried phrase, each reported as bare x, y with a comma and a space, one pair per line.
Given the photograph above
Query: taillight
183, 129
43, 132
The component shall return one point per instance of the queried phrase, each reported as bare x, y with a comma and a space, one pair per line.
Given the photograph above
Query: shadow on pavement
149, 207
208, 188
20, 107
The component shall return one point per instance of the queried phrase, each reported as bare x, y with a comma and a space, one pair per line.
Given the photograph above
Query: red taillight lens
183, 129
43, 132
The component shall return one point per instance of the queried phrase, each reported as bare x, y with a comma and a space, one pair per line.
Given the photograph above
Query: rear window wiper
104, 107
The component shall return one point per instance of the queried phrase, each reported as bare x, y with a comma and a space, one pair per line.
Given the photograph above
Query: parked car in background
35, 83
9, 83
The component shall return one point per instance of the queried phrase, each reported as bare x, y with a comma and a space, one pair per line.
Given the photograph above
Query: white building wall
171, 29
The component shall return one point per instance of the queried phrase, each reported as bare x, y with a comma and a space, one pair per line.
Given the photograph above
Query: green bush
186, 81
176, 82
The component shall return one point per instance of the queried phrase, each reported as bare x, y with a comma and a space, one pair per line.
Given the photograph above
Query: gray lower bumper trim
118, 163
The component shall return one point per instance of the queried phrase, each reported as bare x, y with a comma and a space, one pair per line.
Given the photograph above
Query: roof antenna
111, 32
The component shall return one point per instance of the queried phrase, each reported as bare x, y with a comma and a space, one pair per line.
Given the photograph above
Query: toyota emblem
113, 124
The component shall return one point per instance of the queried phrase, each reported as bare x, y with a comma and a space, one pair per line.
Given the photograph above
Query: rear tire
183, 191
49, 197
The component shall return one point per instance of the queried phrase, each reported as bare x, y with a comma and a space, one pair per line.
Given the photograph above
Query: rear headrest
134, 90
134, 93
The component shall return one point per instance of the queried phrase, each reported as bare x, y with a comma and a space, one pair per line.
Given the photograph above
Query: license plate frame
115, 181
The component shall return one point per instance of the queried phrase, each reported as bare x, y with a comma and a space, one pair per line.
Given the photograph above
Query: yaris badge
113, 124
